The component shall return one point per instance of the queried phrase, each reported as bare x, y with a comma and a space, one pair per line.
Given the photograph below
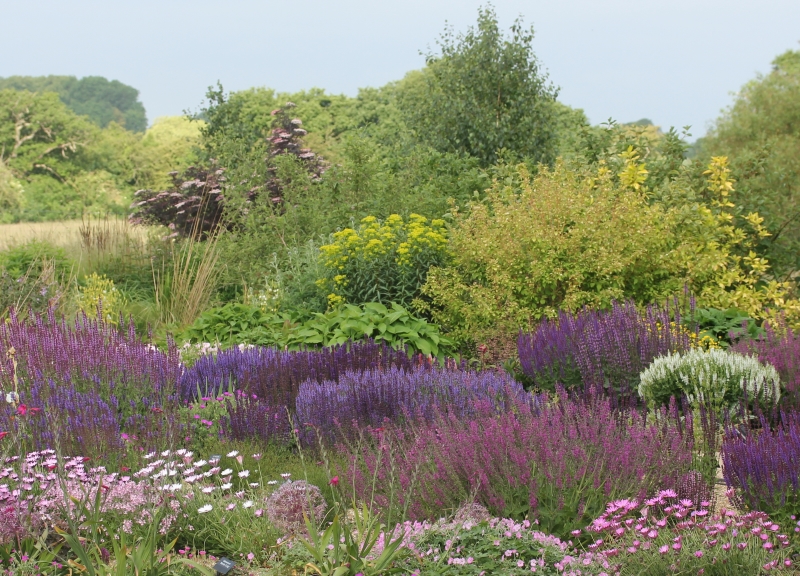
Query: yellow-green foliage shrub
100, 291
571, 237
719, 258
535, 245
383, 261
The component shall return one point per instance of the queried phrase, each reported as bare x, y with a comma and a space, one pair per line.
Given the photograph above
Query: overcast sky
673, 61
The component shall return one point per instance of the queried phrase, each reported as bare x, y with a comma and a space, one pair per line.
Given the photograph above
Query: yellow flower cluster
100, 290
704, 342
374, 239
393, 252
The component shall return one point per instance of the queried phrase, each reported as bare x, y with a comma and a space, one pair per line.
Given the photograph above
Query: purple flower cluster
781, 348
666, 531
275, 376
85, 381
560, 462
763, 467
250, 417
89, 356
599, 348
373, 396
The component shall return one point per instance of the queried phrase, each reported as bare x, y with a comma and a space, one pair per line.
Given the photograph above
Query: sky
676, 62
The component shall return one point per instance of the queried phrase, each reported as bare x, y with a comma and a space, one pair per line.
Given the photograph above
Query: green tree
482, 93
103, 101
66, 165
760, 133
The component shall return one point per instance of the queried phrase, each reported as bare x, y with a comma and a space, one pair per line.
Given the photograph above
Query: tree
483, 93
103, 101
39, 135
760, 133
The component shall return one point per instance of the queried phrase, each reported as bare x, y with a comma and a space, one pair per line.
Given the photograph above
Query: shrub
191, 206
287, 506
383, 261
537, 245
31, 258
593, 348
575, 236
763, 468
558, 463
195, 203
668, 535
715, 378
373, 396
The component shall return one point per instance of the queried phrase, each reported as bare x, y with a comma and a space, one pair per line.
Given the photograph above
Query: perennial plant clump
605, 348
555, 462
779, 347
668, 535
85, 383
383, 261
372, 397
762, 467
716, 378
275, 376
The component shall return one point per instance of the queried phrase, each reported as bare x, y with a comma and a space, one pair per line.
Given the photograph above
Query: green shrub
383, 261
715, 377
31, 257
537, 245
242, 324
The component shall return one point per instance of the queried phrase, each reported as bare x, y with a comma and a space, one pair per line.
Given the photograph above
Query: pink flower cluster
670, 526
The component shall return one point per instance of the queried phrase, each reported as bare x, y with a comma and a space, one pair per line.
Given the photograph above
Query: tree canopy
760, 132
483, 93
103, 101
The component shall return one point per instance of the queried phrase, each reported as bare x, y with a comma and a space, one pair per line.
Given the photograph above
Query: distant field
65, 233
82, 240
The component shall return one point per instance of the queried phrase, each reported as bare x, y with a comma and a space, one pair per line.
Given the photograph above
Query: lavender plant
600, 348
371, 397
763, 468
275, 376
